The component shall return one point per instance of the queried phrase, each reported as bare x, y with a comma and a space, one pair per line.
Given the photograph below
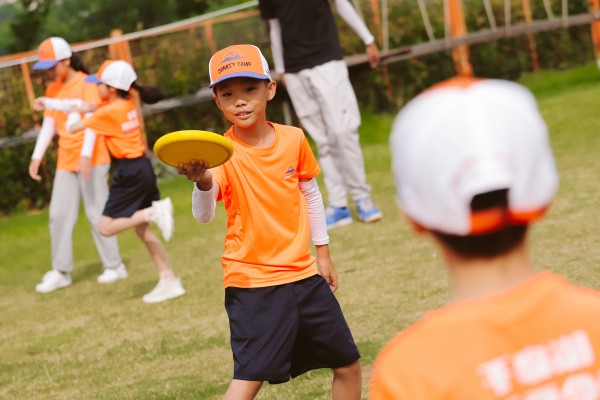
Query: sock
149, 214
167, 275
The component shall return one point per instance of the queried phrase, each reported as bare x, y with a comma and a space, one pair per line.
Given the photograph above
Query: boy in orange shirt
283, 316
473, 168
134, 199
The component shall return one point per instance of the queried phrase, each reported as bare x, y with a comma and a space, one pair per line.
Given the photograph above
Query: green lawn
92, 341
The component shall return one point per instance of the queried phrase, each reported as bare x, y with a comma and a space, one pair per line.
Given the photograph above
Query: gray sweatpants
67, 189
325, 102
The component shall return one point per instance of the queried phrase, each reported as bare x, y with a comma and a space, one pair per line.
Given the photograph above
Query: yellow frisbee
184, 146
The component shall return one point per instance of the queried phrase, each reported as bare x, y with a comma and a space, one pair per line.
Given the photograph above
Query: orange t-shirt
268, 232
69, 144
119, 123
537, 340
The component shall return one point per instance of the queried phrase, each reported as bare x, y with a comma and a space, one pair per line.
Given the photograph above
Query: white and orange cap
114, 73
466, 137
51, 51
241, 60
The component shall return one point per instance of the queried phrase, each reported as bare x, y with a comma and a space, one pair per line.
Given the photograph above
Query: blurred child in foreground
473, 169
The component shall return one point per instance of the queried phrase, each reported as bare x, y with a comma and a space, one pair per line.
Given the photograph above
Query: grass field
92, 341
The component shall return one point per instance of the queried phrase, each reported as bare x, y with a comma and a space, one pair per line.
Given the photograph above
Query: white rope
507, 14
548, 8
565, 12
490, 14
426, 20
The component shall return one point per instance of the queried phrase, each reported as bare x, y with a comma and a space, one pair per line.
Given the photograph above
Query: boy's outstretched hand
197, 171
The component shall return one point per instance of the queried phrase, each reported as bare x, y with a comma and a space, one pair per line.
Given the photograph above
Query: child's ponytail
149, 94
77, 64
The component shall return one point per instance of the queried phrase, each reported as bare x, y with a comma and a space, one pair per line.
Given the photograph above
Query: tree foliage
79, 21
26, 25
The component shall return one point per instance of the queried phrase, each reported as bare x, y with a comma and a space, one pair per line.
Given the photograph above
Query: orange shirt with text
69, 144
537, 340
118, 122
268, 232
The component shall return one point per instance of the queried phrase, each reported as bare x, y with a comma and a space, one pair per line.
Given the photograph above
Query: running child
134, 199
473, 168
283, 316
72, 181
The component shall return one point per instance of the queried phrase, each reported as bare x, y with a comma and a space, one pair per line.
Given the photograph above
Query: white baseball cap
466, 137
51, 51
114, 73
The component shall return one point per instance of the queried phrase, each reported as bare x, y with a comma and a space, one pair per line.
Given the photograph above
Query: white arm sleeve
204, 203
44, 137
276, 45
316, 211
89, 141
349, 14
61, 104
72, 118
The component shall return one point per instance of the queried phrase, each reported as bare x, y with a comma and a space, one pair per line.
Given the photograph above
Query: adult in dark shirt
309, 60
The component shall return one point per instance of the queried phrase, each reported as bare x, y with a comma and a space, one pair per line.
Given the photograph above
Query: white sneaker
165, 290
163, 217
110, 275
53, 280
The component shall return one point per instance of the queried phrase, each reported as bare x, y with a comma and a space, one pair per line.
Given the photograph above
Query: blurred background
169, 43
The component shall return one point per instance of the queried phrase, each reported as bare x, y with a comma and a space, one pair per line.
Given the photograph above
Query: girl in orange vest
134, 199
71, 182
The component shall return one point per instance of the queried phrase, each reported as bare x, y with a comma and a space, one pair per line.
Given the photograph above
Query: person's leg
242, 390
64, 208
161, 213
342, 115
168, 286
111, 226
94, 192
347, 382
307, 107
324, 339
339, 108
155, 248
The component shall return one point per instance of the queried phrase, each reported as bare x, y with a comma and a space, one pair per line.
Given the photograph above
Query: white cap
114, 73
466, 137
51, 51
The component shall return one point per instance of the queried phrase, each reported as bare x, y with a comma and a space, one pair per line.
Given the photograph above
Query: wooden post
210, 37
595, 8
535, 62
28, 84
29, 90
385, 73
458, 28
121, 51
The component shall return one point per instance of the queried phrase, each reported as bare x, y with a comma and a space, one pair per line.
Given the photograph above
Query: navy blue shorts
283, 331
133, 188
